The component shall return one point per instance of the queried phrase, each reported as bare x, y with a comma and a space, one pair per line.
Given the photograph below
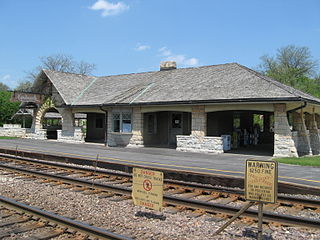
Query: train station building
210, 109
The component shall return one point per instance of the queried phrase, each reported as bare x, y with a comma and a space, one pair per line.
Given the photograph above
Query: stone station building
188, 108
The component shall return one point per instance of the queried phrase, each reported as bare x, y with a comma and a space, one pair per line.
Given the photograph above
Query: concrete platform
225, 164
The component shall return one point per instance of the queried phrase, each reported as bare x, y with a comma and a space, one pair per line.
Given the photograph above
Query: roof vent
168, 65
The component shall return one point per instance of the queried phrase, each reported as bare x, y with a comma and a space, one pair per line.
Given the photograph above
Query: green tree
7, 108
293, 66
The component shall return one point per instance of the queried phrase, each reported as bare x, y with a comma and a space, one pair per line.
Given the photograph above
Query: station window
122, 122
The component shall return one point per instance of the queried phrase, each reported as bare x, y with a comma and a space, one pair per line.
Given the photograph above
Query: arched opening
245, 132
52, 121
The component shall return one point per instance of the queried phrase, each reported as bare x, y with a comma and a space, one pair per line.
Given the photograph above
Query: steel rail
302, 201
62, 221
189, 203
181, 175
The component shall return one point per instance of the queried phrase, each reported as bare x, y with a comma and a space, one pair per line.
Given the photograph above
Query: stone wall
37, 134
119, 139
200, 144
197, 141
77, 136
12, 130
284, 145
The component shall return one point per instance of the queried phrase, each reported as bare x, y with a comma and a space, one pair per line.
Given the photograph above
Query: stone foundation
40, 134
199, 144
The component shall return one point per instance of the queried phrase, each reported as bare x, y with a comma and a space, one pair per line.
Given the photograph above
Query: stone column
311, 125
35, 125
137, 128
283, 142
110, 137
303, 144
199, 121
67, 121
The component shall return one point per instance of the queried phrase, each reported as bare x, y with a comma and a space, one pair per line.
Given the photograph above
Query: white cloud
165, 52
180, 59
108, 8
9, 81
6, 77
141, 47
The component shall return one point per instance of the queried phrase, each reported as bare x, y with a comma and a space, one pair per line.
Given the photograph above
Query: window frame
122, 117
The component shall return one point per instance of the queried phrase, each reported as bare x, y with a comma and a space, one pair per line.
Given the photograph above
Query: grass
303, 161
5, 137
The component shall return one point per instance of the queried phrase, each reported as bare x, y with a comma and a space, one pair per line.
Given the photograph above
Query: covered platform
227, 164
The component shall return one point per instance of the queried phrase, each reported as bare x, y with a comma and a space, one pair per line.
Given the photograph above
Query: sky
131, 36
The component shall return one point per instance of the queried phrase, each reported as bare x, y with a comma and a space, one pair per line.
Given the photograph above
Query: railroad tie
13, 220
48, 234
22, 229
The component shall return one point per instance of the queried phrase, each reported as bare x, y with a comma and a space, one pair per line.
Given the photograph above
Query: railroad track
179, 196
18, 218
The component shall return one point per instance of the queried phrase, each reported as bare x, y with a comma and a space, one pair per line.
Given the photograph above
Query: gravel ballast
122, 217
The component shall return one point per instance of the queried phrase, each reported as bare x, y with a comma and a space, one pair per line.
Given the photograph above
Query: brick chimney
168, 65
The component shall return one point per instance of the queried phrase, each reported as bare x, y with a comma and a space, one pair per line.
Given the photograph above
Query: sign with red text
261, 181
147, 188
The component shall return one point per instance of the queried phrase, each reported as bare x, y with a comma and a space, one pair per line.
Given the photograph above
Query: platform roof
230, 82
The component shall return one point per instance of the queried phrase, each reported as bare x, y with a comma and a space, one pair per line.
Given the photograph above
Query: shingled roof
230, 82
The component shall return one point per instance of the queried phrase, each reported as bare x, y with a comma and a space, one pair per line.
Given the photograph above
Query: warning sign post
261, 185
147, 188
261, 180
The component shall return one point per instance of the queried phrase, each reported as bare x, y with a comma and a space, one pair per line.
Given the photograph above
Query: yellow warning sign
261, 181
147, 188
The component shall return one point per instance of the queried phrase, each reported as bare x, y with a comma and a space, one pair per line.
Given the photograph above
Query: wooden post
260, 216
242, 210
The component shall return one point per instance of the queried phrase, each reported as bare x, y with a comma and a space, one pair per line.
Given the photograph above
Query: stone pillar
137, 128
303, 144
35, 125
199, 122
110, 137
67, 121
311, 125
283, 142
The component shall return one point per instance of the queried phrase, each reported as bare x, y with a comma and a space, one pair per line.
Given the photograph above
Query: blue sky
135, 35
